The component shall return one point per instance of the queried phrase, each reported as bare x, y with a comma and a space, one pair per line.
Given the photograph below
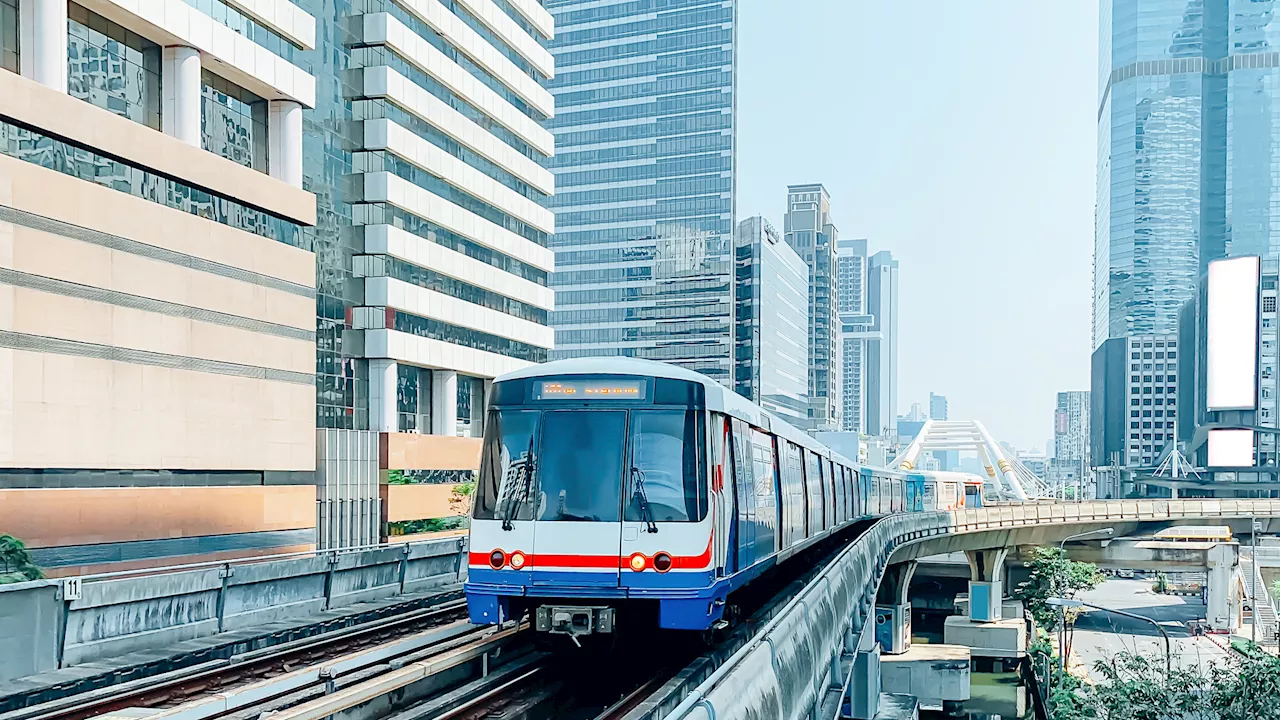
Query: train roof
718, 396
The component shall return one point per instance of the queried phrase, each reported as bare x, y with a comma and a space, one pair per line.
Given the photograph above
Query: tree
15, 561
1134, 687
1053, 574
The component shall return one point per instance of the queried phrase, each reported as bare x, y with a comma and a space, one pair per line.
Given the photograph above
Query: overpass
818, 649
821, 650
1007, 477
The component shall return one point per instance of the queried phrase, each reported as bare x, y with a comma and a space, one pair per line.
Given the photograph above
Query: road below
1100, 635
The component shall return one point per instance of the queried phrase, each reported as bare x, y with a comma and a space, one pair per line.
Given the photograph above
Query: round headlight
517, 560
662, 562
637, 562
497, 559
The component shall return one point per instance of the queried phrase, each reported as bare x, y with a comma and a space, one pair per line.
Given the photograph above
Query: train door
864, 492
722, 490
744, 495
915, 493
578, 503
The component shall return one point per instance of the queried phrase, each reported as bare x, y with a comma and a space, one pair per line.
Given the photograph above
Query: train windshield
589, 465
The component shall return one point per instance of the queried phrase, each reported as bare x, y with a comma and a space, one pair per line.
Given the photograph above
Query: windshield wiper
642, 500
521, 492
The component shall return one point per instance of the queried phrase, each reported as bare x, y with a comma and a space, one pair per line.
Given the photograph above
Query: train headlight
497, 559
637, 562
662, 562
517, 560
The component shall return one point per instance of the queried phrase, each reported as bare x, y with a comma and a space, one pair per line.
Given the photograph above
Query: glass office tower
644, 169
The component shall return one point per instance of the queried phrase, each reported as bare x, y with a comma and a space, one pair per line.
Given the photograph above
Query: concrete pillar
893, 611
284, 141
1223, 596
42, 29
383, 405
180, 88
864, 687
444, 403
986, 583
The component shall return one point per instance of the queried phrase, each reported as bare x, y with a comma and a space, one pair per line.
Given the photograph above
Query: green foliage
1135, 687
397, 477
15, 562
460, 498
1053, 574
412, 527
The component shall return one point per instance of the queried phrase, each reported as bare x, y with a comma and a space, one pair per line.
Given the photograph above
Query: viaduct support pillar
893, 610
864, 688
986, 583
1224, 598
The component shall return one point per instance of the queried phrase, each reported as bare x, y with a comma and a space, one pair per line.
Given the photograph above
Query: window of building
1133, 426
1159, 355
1159, 436
1133, 436
470, 406
1146, 378
1173, 355
1133, 401
1146, 391
1160, 366
1146, 401
1134, 367
1146, 356
233, 122
1159, 413
1171, 413
1268, 304
1133, 378
413, 399
1146, 345
1133, 413
112, 68
1268, 283
1159, 343
1146, 425
1146, 413
9, 35
1134, 356
1146, 366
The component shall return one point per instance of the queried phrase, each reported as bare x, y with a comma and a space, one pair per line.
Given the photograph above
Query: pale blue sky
961, 136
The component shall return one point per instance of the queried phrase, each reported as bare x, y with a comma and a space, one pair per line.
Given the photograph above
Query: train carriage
614, 490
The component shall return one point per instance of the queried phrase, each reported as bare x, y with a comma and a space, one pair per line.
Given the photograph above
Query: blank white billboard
1232, 334
1230, 448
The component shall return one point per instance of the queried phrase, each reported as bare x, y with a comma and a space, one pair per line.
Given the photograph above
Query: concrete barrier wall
58, 623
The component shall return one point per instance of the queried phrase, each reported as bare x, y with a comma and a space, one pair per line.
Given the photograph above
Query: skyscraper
644, 172
882, 348
1071, 430
1187, 172
855, 324
937, 407
811, 232
772, 289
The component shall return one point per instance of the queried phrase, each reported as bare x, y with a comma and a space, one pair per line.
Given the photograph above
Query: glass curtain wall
9, 35
233, 122
111, 67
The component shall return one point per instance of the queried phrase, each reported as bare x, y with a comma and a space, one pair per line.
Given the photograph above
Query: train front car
591, 509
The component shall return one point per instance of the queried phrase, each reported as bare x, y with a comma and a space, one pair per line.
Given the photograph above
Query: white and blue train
614, 490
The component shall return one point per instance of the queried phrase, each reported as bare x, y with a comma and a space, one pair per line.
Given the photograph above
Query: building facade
364, 232
1187, 161
157, 345
937, 407
772, 289
1233, 347
644, 168
882, 347
812, 234
1071, 427
855, 324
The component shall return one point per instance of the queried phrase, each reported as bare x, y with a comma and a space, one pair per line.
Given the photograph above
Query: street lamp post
1102, 531
1064, 603
1255, 527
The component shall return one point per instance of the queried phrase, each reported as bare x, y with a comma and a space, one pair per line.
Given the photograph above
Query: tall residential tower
644, 171
882, 348
811, 232
855, 324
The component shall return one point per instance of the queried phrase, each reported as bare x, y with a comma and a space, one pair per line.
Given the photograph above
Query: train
619, 490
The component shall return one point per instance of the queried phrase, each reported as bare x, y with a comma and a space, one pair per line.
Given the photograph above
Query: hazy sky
961, 136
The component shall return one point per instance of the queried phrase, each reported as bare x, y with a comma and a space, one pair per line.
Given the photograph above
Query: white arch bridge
1007, 478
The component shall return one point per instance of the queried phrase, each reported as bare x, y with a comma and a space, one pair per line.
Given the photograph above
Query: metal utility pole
1254, 528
